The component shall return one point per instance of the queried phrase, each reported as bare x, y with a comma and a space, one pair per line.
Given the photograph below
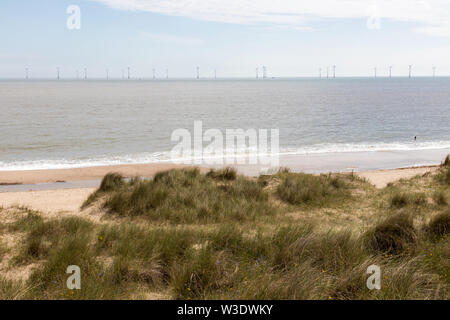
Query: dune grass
440, 198
307, 189
444, 174
186, 196
394, 235
446, 161
223, 174
403, 199
187, 235
439, 226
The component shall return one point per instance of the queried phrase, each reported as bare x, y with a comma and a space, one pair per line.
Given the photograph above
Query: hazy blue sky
290, 37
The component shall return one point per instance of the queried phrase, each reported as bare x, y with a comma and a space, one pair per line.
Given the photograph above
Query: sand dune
70, 200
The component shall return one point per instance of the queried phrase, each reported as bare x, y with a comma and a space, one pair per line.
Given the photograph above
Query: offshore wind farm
196, 75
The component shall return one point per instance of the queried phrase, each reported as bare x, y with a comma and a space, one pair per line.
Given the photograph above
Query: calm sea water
50, 124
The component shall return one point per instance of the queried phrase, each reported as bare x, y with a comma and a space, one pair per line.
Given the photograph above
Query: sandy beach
80, 174
60, 199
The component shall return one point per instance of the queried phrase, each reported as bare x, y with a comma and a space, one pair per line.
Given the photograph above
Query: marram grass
186, 235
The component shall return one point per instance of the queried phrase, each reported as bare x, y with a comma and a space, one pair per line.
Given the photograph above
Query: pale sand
70, 200
380, 178
51, 201
78, 174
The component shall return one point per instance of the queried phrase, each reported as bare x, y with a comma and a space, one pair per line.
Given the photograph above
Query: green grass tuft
306, 189
111, 182
186, 196
403, 199
440, 198
439, 226
223, 174
446, 162
395, 235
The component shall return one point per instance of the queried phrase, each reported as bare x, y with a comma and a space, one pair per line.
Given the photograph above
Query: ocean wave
367, 147
165, 156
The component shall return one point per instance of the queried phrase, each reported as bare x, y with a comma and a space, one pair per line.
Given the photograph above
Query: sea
49, 124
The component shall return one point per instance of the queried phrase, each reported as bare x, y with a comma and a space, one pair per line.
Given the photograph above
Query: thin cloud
172, 39
433, 16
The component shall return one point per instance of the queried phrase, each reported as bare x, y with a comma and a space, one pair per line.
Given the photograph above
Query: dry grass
400, 200
439, 226
306, 189
395, 235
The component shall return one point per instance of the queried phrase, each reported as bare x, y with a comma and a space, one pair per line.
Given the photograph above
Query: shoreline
358, 162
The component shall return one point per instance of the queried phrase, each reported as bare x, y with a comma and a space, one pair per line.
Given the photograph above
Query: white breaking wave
368, 147
165, 156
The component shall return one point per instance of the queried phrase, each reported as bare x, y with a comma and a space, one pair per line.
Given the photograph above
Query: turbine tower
257, 73
128, 73
215, 74
375, 71
390, 71
320, 72
154, 74
434, 71
328, 72
167, 73
264, 72
85, 73
107, 74
57, 73
123, 74
334, 71
198, 73
410, 69
26, 73
78, 75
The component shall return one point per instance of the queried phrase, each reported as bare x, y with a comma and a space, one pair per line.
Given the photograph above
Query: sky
292, 38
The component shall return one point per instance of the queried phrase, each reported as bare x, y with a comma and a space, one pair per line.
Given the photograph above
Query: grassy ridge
186, 235
186, 196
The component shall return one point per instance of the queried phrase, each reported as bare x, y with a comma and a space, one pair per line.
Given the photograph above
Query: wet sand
309, 163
